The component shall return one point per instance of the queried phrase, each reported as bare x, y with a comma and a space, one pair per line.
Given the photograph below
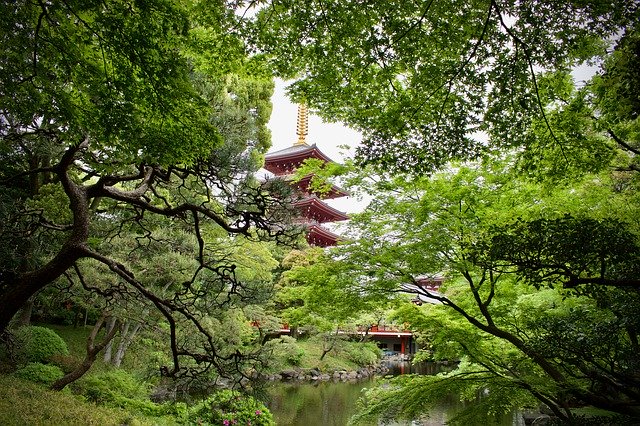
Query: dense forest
140, 249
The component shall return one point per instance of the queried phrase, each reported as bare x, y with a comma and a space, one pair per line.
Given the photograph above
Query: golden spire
303, 125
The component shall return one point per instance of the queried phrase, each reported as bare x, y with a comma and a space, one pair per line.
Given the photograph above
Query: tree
118, 118
492, 236
566, 251
317, 296
427, 82
432, 82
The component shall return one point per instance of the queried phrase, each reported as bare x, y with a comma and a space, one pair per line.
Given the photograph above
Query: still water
333, 403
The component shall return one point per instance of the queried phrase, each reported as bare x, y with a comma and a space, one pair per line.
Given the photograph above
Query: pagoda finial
303, 125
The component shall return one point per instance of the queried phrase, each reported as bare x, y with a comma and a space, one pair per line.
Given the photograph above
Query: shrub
177, 410
229, 407
37, 344
286, 352
117, 388
110, 386
40, 373
362, 353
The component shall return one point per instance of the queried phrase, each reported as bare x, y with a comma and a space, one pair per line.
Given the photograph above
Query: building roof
314, 208
321, 237
288, 159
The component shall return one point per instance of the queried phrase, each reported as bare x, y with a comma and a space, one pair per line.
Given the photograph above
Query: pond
333, 403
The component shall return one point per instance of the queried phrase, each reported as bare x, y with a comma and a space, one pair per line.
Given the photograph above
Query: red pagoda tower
314, 210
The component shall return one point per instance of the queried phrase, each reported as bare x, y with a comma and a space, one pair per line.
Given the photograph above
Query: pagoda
314, 210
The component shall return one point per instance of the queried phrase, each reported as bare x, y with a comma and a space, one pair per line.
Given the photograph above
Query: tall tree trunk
125, 341
17, 291
92, 352
111, 324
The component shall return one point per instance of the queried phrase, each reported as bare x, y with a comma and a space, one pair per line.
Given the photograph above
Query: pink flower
225, 422
258, 412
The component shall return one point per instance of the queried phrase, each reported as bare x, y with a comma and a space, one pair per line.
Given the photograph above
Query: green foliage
66, 363
134, 131
409, 397
491, 234
108, 386
40, 373
229, 407
26, 403
314, 292
321, 175
614, 87
38, 344
286, 349
445, 77
118, 388
362, 354
129, 63
565, 250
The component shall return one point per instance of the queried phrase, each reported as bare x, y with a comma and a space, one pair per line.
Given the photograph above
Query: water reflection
309, 404
333, 403
397, 368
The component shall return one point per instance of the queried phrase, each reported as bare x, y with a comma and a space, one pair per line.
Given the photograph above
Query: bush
229, 407
37, 344
177, 410
283, 353
117, 388
111, 386
40, 373
362, 354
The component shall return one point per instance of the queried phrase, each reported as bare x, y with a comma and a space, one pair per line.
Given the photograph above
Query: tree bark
111, 324
17, 289
125, 341
23, 316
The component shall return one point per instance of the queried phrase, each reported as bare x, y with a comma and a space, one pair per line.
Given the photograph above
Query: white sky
327, 136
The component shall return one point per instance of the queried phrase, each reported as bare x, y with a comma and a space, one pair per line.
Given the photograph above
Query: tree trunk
125, 341
17, 291
18, 288
111, 324
92, 352
23, 316
325, 351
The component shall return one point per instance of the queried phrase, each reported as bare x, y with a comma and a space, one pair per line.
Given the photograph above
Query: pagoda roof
288, 159
321, 237
316, 209
305, 183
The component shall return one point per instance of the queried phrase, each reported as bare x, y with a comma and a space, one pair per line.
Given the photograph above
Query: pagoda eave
321, 237
288, 159
314, 208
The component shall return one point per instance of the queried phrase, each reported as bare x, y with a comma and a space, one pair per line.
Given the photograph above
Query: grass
26, 403
76, 338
